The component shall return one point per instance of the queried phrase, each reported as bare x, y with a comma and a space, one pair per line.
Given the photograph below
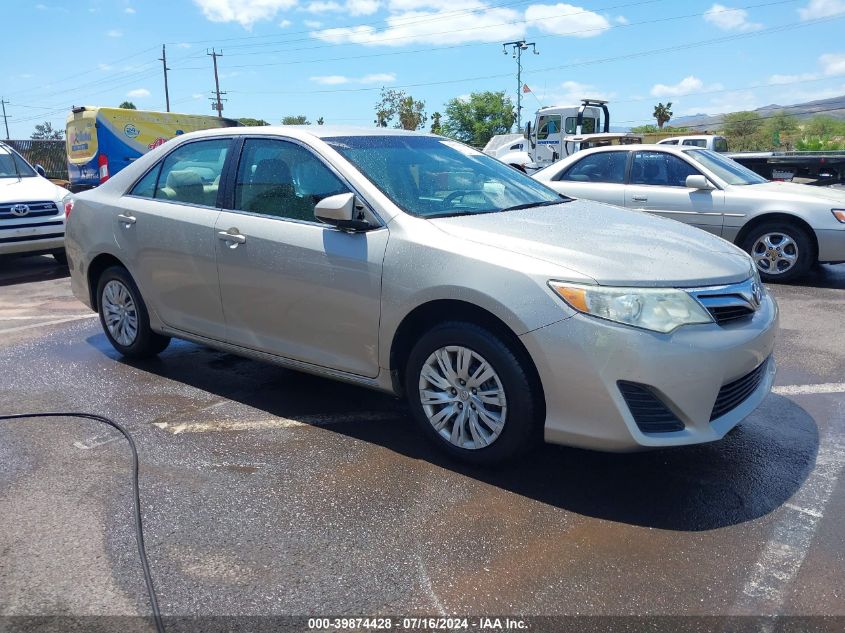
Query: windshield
728, 170
12, 165
431, 177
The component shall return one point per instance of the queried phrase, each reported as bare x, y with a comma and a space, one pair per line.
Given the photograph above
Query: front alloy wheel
463, 397
782, 251
775, 253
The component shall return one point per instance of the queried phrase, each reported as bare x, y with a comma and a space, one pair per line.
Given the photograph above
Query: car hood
31, 189
613, 246
793, 190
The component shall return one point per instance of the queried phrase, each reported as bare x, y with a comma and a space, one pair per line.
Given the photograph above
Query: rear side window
696, 142
145, 188
720, 145
598, 167
660, 168
189, 174
672, 142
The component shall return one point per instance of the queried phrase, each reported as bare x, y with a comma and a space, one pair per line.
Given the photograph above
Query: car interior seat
185, 186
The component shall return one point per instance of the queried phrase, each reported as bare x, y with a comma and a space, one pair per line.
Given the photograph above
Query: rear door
165, 227
598, 176
657, 184
291, 285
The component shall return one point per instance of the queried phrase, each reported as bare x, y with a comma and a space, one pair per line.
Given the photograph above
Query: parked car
416, 265
32, 212
704, 141
785, 227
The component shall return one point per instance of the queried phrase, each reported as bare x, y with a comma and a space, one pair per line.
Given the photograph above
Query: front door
657, 184
291, 285
165, 228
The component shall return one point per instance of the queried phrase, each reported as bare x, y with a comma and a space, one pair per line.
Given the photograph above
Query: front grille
36, 210
735, 392
649, 411
723, 314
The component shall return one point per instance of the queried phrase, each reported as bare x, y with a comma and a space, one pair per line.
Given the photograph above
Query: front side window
720, 145
588, 125
660, 168
598, 167
547, 125
728, 170
429, 177
282, 179
13, 166
189, 174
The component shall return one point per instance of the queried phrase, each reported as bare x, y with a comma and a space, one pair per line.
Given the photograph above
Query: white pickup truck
704, 141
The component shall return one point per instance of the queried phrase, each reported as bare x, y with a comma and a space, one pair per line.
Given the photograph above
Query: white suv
32, 209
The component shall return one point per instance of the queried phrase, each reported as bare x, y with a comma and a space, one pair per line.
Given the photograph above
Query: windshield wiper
530, 205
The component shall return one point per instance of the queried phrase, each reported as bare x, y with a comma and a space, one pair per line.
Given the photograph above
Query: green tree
645, 129
823, 125
745, 131
127, 105
663, 113
298, 119
400, 109
252, 122
45, 132
479, 118
436, 125
320, 121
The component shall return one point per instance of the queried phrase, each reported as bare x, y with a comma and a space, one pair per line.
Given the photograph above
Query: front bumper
581, 359
43, 237
831, 245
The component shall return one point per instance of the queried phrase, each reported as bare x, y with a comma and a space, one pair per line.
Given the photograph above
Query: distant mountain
834, 107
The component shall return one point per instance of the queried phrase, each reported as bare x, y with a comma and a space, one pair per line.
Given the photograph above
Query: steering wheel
453, 198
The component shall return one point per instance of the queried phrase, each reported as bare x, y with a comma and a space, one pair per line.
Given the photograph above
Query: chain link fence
49, 154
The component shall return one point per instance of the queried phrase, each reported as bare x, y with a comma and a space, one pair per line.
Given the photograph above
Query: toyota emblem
756, 294
20, 210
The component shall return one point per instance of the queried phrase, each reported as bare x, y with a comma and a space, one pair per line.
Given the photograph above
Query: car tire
120, 303
784, 238
478, 441
60, 256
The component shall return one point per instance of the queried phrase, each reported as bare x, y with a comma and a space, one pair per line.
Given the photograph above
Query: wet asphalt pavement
266, 491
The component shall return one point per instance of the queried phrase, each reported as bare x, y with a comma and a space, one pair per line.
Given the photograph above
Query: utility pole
163, 60
517, 48
3, 102
218, 105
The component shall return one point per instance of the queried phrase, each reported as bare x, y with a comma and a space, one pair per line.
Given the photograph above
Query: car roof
305, 131
638, 146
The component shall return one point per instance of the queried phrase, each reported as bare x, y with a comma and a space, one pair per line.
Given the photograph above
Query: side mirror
527, 133
697, 181
340, 211
41, 171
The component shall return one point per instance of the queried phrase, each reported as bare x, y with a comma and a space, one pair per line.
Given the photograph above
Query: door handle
127, 219
234, 238
639, 198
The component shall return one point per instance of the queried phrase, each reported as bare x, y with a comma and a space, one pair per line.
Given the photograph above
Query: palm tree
662, 113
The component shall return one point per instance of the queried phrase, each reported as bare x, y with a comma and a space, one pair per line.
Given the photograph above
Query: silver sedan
785, 227
418, 266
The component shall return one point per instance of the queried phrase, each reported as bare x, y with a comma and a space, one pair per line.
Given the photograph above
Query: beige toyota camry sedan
504, 312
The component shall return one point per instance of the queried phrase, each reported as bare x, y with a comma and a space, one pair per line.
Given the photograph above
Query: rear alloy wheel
781, 251
124, 316
471, 394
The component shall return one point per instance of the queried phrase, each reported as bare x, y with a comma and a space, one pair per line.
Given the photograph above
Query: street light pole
516, 48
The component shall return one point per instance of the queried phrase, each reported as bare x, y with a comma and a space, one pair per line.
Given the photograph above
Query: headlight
656, 309
839, 214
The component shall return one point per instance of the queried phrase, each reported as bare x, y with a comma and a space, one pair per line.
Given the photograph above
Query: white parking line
20, 328
275, 423
802, 390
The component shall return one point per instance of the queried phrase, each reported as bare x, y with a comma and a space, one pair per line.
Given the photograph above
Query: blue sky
330, 57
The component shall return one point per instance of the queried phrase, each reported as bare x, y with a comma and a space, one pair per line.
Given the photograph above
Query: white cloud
791, 79
138, 93
312, 24
362, 7
330, 80
821, 9
571, 93
41, 7
129, 10
183, 45
104, 67
197, 95
685, 86
115, 33
621, 19
440, 26
566, 19
245, 12
321, 6
377, 78
735, 102
337, 80
729, 19
833, 64
285, 23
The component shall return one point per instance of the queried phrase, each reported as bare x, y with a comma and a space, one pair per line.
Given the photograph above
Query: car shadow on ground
751, 472
825, 276
20, 269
